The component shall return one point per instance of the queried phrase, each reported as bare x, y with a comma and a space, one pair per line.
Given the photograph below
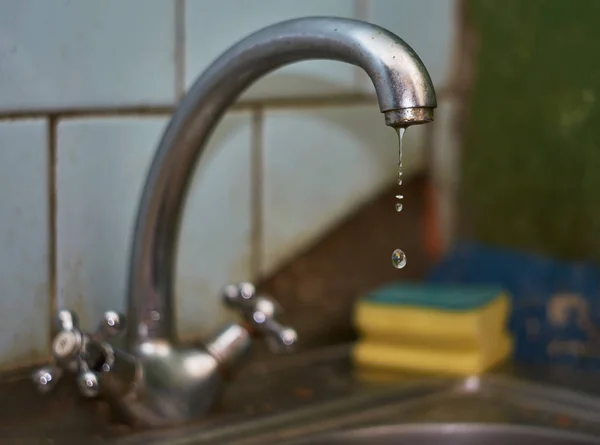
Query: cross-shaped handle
260, 313
77, 352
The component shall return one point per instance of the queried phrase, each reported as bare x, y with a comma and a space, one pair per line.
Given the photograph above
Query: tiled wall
87, 87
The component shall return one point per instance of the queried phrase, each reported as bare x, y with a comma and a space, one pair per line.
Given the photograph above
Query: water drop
399, 205
398, 259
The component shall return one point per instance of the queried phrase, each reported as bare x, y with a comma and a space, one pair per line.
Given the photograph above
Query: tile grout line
167, 110
457, 50
71, 113
161, 110
457, 96
52, 124
292, 103
256, 193
180, 43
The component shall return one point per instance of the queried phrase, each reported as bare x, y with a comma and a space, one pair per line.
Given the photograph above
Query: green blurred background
531, 158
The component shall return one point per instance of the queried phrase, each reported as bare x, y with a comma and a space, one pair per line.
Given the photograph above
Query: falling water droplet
398, 259
399, 204
398, 256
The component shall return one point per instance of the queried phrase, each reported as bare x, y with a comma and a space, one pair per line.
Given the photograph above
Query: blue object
555, 304
435, 296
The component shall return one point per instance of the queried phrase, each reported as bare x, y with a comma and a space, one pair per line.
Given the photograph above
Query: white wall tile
24, 240
428, 26
102, 164
86, 53
212, 27
320, 165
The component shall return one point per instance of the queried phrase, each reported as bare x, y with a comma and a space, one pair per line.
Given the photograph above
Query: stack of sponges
432, 329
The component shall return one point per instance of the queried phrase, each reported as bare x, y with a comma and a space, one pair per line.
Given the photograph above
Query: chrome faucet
148, 378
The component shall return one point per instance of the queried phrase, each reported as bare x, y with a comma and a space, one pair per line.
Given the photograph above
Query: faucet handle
262, 317
259, 313
73, 351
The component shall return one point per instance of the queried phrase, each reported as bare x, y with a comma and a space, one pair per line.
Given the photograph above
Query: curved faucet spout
404, 90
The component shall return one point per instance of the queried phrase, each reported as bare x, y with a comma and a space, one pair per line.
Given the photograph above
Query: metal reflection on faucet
153, 380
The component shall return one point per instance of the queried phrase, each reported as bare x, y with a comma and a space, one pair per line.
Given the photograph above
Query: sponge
432, 329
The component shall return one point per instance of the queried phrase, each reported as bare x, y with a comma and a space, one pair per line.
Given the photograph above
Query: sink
450, 434
477, 410
504, 407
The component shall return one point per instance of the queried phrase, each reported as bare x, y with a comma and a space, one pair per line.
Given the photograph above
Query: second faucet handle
260, 313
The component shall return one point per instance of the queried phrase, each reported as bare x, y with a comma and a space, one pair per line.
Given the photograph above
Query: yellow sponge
432, 329
415, 359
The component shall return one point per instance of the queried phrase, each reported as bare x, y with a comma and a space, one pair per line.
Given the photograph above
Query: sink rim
336, 416
446, 428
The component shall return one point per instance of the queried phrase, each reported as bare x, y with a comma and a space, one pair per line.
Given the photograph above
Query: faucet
147, 377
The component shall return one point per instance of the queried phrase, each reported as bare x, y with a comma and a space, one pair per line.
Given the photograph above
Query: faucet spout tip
405, 117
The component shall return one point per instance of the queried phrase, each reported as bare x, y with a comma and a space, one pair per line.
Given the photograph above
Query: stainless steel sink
477, 410
450, 434
501, 408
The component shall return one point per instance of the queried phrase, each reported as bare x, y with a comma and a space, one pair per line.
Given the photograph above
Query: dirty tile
86, 53
320, 166
102, 165
24, 237
428, 26
212, 27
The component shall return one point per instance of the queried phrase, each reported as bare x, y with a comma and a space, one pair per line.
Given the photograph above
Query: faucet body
145, 374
